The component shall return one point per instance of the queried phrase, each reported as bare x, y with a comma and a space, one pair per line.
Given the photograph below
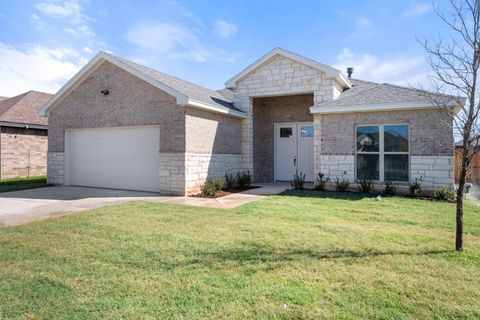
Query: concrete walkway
19, 207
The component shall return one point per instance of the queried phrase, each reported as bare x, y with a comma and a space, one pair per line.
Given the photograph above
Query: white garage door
120, 158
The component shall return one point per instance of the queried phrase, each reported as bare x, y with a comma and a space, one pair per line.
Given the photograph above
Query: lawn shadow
258, 254
309, 193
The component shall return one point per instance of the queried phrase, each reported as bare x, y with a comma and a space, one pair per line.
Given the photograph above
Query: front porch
282, 137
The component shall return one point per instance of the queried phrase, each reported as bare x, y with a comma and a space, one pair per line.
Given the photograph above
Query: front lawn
289, 256
16, 184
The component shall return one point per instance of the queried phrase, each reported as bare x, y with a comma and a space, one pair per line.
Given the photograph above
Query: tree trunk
460, 194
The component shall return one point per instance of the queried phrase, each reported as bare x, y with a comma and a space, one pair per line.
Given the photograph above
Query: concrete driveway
24, 206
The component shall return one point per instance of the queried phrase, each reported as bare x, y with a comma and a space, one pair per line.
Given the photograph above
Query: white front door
294, 150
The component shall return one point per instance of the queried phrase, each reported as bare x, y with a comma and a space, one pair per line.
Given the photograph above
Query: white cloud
61, 9
174, 41
36, 68
399, 69
87, 49
70, 10
418, 9
80, 31
364, 22
225, 29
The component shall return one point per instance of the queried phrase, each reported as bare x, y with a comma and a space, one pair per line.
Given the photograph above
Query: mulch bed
223, 193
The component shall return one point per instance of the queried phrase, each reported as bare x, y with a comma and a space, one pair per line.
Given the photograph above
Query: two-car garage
121, 158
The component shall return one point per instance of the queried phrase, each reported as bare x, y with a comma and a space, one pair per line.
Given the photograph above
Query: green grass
16, 184
324, 256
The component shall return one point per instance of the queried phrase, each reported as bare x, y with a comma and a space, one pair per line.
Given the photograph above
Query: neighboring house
23, 136
118, 124
473, 175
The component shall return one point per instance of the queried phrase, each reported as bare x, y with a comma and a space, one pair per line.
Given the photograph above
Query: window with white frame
382, 152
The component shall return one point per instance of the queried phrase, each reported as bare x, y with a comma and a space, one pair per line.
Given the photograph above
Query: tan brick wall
211, 133
131, 102
23, 152
267, 112
431, 132
431, 144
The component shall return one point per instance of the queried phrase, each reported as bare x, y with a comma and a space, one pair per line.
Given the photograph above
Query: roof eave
23, 125
394, 106
208, 107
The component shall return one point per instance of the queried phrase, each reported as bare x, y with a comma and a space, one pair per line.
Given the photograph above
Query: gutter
23, 125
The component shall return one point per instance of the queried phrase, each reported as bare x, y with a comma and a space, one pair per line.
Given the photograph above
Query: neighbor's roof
22, 109
186, 93
365, 94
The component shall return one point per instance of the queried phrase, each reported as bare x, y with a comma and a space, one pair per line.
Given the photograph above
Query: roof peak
331, 72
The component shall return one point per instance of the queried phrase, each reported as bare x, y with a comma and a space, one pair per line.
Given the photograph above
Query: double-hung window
382, 152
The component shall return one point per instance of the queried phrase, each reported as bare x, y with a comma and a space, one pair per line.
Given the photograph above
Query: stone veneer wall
200, 167
431, 143
56, 167
278, 76
23, 152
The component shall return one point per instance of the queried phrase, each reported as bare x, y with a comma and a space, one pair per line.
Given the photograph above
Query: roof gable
186, 93
330, 72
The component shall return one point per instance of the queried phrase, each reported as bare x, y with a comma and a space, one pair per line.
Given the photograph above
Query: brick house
23, 136
118, 124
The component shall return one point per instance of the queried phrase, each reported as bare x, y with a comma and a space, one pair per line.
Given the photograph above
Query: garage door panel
123, 158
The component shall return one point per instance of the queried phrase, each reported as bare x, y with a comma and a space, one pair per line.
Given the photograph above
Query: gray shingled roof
189, 89
23, 108
366, 93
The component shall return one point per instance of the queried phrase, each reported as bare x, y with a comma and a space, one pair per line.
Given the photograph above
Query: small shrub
365, 185
341, 186
416, 187
320, 182
244, 179
390, 188
230, 181
298, 181
444, 193
211, 187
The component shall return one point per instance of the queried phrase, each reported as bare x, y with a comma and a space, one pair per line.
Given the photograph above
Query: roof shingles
189, 89
23, 108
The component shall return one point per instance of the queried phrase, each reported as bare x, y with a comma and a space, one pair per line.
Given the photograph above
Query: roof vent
349, 71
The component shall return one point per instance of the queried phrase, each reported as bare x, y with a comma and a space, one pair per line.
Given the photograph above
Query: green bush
415, 188
244, 179
320, 182
444, 193
341, 186
211, 187
230, 181
298, 181
390, 188
365, 185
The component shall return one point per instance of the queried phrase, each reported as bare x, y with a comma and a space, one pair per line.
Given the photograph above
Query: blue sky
44, 42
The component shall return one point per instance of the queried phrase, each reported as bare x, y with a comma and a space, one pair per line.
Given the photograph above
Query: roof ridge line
167, 74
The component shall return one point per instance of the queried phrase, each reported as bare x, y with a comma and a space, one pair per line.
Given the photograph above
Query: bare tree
455, 61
